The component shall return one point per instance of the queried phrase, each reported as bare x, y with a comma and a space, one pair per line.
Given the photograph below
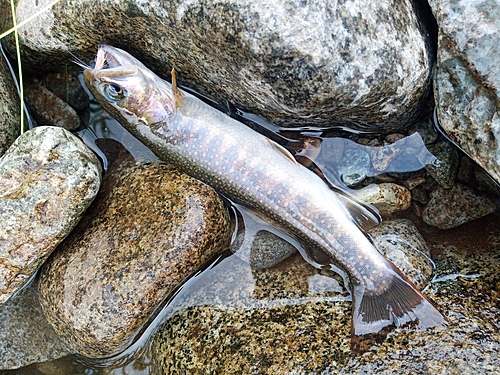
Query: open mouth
106, 58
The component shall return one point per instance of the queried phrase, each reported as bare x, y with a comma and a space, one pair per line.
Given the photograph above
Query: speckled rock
150, 228
25, 335
448, 208
47, 108
388, 197
10, 108
444, 168
48, 178
290, 319
354, 166
401, 242
364, 64
262, 249
467, 82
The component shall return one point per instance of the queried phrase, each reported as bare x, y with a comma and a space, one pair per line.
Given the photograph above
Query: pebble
354, 167
150, 228
387, 197
48, 178
449, 208
400, 242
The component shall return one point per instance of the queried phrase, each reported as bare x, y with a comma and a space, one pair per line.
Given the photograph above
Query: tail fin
400, 304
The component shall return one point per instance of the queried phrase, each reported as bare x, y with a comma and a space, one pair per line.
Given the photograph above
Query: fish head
128, 90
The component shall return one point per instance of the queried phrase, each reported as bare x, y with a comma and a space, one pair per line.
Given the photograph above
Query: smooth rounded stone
10, 107
357, 63
47, 108
445, 166
426, 129
400, 241
262, 249
149, 229
467, 79
25, 335
234, 320
449, 208
48, 178
387, 197
354, 167
382, 157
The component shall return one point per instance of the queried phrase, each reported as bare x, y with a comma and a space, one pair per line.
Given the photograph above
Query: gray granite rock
401, 242
445, 166
289, 319
25, 335
48, 178
10, 107
449, 208
149, 229
364, 64
467, 82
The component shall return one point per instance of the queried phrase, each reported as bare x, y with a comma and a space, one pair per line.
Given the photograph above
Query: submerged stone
48, 178
150, 228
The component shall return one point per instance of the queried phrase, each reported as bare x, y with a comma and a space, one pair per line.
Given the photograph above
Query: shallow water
412, 156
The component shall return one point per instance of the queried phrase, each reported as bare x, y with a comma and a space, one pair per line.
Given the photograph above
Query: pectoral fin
365, 216
178, 95
283, 151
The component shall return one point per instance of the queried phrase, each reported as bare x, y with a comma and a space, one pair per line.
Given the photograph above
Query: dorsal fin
365, 216
283, 150
178, 95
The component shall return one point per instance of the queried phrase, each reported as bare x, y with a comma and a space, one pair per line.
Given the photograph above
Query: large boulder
359, 63
48, 178
467, 81
149, 229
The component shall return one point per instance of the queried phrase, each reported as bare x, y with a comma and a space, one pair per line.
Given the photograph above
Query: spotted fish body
250, 169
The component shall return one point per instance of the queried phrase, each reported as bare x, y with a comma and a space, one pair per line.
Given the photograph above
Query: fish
250, 169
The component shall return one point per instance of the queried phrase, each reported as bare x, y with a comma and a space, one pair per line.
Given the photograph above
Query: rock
48, 178
47, 108
401, 242
467, 82
10, 107
449, 208
25, 335
262, 249
150, 228
354, 167
388, 197
445, 166
357, 63
289, 319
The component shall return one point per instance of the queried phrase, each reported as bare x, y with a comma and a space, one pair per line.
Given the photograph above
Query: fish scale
251, 170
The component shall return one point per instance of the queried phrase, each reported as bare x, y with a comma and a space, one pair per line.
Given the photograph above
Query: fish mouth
110, 57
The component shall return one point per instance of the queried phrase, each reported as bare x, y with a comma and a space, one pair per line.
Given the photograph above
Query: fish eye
114, 92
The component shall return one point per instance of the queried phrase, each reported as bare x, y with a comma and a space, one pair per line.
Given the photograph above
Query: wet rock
25, 335
10, 107
236, 320
47, 108
262, 249
67, 87
150, 228
382, 157
401, 242
354, 167
387, 197
425, 129
449, 208
356, 63
467, 83
48, 178
445, 166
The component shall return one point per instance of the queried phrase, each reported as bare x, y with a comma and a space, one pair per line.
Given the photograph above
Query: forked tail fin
400, 304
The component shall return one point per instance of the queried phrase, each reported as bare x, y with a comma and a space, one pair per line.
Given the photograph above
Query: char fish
258, 173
